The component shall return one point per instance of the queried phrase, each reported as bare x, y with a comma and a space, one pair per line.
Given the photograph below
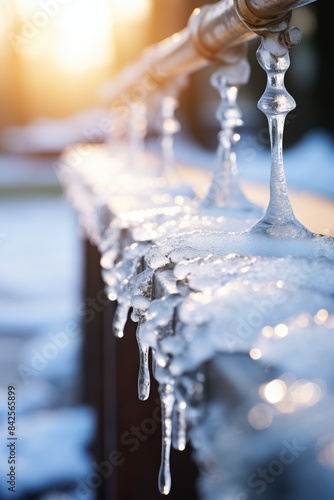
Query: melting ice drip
276, 103
225, 191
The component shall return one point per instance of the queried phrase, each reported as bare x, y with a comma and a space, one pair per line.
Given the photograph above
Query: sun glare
85, 30
77, 34
83, 35
130, 10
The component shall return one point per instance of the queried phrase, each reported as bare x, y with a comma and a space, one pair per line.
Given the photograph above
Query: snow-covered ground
40, 287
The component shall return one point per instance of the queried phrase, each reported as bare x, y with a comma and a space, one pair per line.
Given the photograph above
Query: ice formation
216, 292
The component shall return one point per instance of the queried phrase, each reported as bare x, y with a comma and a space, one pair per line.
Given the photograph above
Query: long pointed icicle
120, 319
167, 399
144, 379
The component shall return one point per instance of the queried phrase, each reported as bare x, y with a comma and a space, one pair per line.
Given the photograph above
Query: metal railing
212, 33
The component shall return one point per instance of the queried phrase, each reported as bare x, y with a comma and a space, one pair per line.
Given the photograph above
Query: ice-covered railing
236, 305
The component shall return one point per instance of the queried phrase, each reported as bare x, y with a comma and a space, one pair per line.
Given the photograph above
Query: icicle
154, 363
225, 191
170, 125
276, 103
123, 284
179, 435
116, 134
137, 129
144, 381
167, 399
120, 319
140, 294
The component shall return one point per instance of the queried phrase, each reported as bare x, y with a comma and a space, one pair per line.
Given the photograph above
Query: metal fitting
263, 13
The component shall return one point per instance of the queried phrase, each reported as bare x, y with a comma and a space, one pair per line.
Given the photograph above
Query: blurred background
55, 56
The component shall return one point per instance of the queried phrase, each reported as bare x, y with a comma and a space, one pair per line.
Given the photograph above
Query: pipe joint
257, 22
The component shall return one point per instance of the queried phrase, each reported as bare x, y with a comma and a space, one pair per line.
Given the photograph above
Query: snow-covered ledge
241, 328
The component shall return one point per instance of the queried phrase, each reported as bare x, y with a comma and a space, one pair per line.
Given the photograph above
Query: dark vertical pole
324, 88
99, 367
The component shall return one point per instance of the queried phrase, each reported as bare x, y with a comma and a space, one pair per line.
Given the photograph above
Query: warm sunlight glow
130, 10
76, 34
83, 35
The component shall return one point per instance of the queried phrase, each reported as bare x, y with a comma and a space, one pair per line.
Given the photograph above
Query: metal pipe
260, 7
260, 12
212, 32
